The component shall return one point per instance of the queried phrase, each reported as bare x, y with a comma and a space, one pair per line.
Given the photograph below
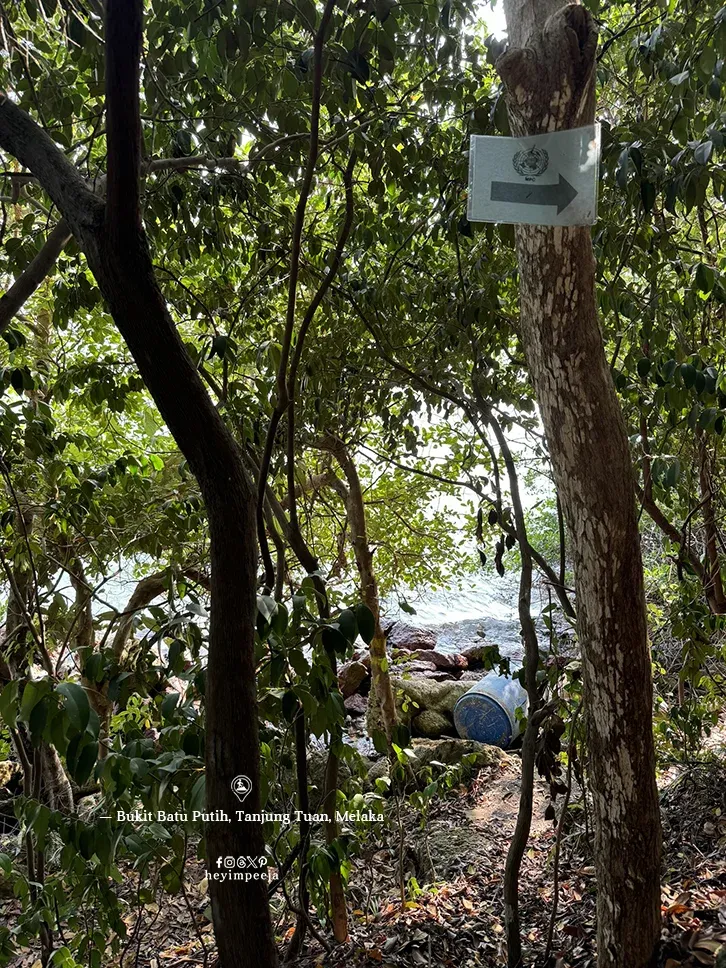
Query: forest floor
457, 919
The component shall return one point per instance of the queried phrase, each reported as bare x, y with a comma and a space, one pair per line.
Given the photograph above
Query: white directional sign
549, 179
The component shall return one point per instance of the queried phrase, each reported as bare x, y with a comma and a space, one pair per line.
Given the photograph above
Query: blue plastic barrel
487, 713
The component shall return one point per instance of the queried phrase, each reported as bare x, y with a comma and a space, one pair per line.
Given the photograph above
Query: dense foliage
405, 346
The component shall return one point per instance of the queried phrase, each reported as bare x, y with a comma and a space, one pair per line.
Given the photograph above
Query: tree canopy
302, 187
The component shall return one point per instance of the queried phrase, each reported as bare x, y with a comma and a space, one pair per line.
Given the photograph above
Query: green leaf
76, 705
702, 153
38, 719
280, 619
266, 606
643, 367
401, 735
219, 346
680, 78
198, 794
8, 703
290, 705
169, 704
93, 667
647, 195
707, 418
669, 369
383, 9
32, 694
86, 762
170, 879
380, 742
139, 767
334, 640
358, 65
688, 375
39, 824
707, 60
704, 278
366, 622
348, 625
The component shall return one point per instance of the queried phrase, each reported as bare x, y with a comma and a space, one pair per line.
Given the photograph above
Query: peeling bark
549, 84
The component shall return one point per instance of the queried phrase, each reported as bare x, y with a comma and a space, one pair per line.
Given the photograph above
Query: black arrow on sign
560, 195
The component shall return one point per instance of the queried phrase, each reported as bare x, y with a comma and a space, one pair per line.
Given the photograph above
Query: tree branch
282, 393
29, 280
315, 302
144, 594
123, 118
34, 149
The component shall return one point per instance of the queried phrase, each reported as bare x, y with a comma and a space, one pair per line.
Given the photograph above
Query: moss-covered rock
448, 751
432, 724
415, 695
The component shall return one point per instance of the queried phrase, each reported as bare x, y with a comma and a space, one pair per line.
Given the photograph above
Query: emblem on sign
531, 161
545, 179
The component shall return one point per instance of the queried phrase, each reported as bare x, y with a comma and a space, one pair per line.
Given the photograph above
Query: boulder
416, 666
446, 675
356, 705
379, 768
350, 677
432, 724
474, 655
451, 751
317, 762
426, 694
410, 638
442, 660
447, 751
11, 776
469, 675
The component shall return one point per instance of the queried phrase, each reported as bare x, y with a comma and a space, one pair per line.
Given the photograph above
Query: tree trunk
382, 690
114, 242
84, 641
520, 837
549, 81
44, 772
303, 804
713, 582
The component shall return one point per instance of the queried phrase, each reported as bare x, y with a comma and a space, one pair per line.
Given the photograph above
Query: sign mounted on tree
547, 179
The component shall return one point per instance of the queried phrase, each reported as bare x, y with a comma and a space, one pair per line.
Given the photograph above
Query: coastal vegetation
264, 391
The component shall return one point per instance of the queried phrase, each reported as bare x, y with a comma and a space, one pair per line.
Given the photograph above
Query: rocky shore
427, 681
